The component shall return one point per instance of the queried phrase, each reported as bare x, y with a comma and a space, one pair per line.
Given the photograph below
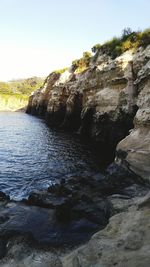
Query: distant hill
21, 86
14, 94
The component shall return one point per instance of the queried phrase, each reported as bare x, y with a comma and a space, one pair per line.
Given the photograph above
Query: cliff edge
104, 102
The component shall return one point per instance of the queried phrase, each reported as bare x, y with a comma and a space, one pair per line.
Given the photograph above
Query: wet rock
4, 197
3, 218
3, 249
85, 197
95, 213
121, 180
124, 241
74, 199
40, 227
59, 189
67, 215
46, 200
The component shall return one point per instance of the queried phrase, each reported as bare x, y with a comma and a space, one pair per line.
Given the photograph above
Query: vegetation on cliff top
60, 71
114, 47
81, 64
128, 40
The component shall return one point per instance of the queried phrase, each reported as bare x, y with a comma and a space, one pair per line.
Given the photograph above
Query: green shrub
4, 88
126, 33
75, 63
145, 38
128, 40
83, 63
60, 71
96, 48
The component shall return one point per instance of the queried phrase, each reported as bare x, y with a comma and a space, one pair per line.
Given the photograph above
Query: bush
4, 88
96, 48
83, 63
128, 40
145, 38
126, 33
60, 71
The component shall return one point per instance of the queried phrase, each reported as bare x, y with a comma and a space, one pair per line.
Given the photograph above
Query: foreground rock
42, 227
124, 242
89, 197
4, 197
64, 216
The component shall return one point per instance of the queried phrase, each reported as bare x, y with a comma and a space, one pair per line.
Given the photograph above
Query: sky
39, 36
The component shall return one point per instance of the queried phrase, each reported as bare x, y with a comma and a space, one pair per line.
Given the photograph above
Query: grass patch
79, 65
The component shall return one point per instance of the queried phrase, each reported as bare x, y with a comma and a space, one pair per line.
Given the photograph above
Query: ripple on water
32, 156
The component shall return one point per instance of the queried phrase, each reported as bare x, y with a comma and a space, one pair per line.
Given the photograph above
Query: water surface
32, 156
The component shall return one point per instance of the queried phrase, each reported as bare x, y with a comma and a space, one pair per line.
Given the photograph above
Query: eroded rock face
100, 102
137, 145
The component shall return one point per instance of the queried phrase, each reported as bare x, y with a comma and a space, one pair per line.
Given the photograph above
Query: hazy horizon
40, 36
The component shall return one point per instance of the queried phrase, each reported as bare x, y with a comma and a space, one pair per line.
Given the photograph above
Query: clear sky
38, 36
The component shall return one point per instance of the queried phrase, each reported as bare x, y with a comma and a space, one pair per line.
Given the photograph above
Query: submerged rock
3, 249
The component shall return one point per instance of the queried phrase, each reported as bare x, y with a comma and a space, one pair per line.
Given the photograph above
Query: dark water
32, 156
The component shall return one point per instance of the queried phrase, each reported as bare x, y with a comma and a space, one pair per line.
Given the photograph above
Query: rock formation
137, 144
101, 103
124, 242
109, 103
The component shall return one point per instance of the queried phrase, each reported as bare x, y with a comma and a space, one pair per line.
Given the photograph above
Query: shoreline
66, 215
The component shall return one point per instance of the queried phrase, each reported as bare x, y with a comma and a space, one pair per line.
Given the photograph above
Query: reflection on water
32, 156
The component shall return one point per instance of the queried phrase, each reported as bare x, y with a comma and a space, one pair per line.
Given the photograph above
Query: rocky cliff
123, 243
104, 102
108, 103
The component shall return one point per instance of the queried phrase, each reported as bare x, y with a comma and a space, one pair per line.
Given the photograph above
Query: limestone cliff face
137, 144
101, 103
